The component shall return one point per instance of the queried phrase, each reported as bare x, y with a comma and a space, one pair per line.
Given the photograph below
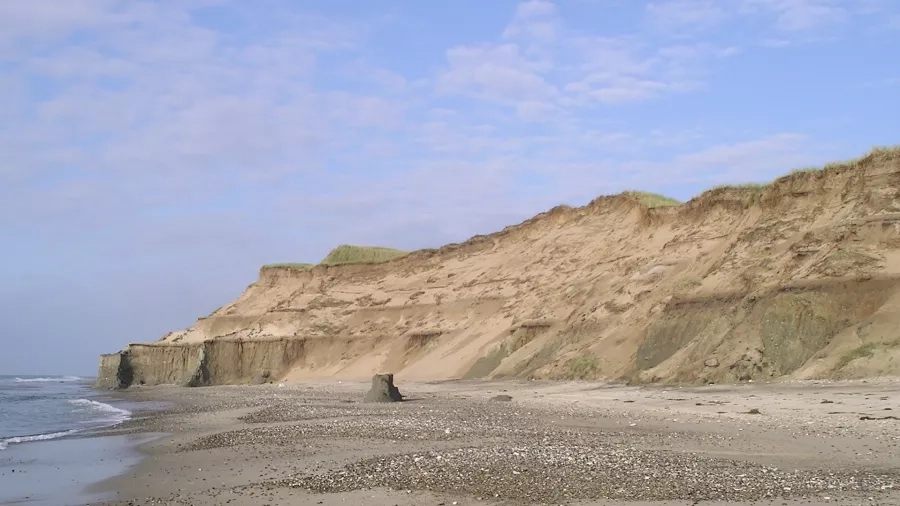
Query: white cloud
494, 72
621, 71
386, 80
151, 107
799, 15
615, 89
52, 19
536, 111
687, 14
534, 20
561, 68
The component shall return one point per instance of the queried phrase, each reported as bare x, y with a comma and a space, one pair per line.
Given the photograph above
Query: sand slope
800, 279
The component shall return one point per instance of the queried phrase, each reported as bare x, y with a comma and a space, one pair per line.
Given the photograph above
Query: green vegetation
866, 350
347, 254
746, 187
652, 200
583, 367
877, 153
805, 170
295, 266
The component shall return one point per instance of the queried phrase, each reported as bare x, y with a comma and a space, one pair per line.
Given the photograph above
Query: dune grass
348, 254
295, 266
878, 153
582, 367
754, 187
652, 200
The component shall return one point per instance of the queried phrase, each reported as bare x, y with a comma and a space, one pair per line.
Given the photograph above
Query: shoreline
554, 442
48, 458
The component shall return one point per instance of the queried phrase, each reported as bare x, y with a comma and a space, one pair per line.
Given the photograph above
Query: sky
156, 153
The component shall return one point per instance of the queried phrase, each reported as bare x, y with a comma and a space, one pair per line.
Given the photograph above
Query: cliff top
347, 254
742, 195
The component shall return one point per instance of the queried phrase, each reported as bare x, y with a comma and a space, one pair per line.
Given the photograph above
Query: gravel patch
573, 470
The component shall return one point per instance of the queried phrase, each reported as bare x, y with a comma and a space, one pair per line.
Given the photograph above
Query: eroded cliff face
799, 280
213, 362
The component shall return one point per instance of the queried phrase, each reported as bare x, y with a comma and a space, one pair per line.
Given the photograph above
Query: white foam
117, 415
45, 380
37, 437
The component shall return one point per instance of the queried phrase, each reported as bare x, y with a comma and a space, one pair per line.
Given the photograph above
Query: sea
46, 455
40, 408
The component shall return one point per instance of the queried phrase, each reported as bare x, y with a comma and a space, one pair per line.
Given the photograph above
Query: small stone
711, 362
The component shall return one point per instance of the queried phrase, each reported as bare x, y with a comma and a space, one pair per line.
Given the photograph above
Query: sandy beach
517, 442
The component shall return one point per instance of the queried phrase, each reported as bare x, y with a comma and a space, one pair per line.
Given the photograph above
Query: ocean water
41, 408
44, 460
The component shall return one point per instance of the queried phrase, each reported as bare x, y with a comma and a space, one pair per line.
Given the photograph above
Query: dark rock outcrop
383, 389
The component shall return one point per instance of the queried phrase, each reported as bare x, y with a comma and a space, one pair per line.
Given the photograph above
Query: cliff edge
799, 278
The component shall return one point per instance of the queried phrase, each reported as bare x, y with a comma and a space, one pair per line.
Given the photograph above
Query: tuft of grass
583, 367
753, 187
866, 350
348, 254
878, 153
295, 266
652, 200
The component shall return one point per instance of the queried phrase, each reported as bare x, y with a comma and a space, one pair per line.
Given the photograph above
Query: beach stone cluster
562, 472
350, 422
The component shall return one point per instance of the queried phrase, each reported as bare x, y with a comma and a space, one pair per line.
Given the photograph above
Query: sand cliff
797, 279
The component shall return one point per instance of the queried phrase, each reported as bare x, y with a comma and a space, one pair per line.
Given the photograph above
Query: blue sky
157, 153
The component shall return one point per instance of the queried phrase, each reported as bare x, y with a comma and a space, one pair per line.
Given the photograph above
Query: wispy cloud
687, 14
799, 15
494, 72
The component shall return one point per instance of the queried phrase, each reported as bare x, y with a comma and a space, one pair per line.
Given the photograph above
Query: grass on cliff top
348, 254
295, 266
752, 187
652, 200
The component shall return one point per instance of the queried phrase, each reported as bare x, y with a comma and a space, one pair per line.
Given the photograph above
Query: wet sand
54, 472
553, 443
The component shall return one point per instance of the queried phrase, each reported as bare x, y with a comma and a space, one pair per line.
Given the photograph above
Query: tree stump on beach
383, 389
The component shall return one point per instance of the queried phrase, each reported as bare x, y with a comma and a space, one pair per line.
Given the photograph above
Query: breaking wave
37, 437
116, 415
44, 380
108, 415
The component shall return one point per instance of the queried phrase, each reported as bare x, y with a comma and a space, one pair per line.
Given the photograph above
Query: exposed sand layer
800, 279
577, 443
